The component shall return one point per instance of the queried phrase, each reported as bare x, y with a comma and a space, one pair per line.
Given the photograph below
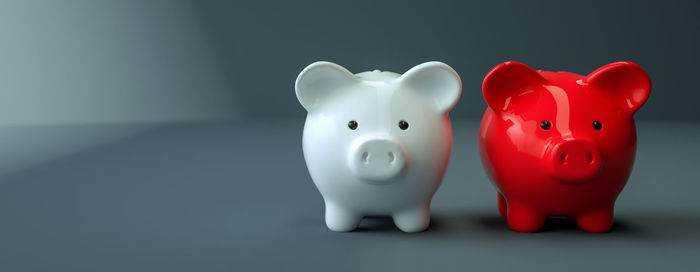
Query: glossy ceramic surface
560, 144
377, 143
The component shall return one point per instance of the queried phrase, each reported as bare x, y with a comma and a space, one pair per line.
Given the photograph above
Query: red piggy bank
560, 144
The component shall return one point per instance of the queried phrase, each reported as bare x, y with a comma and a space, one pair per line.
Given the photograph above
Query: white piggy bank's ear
435, 81
625, 82
320, 80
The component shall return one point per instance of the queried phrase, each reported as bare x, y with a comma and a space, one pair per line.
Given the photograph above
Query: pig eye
403, 125
597, 125
352, 124
546, 125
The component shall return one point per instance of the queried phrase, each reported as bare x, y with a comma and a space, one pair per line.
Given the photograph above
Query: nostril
563, 157
365, 157
590, 157
391, 157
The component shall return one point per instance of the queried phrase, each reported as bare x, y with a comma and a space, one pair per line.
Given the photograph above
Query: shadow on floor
553, 224
642, 228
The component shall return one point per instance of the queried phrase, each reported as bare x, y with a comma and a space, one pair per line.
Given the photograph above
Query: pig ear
626, 81
435, 81
508, 80
320, 80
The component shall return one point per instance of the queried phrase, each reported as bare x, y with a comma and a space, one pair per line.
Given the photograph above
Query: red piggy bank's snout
574, 161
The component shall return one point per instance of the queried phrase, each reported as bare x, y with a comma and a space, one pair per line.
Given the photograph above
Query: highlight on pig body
560, 144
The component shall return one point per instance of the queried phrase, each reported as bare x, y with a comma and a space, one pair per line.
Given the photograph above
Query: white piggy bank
377, 143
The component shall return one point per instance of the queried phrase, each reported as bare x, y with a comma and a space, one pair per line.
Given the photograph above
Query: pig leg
597, 221
522, 218
340, 219
502, 206
413, 220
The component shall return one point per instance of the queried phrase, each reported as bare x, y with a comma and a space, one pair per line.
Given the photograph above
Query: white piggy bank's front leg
413, 220
341, 219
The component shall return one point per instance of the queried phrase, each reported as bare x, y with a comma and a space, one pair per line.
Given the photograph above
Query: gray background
270, 43
82, 61
154, 135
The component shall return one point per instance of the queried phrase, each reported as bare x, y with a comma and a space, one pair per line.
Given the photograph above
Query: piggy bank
377, 143
560, 144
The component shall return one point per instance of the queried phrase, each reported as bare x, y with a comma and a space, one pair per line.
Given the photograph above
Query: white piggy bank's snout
376, 160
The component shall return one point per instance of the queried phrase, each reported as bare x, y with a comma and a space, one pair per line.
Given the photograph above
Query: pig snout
377, 161
574, 161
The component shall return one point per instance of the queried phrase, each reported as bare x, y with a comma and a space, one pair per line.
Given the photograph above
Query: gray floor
216, 197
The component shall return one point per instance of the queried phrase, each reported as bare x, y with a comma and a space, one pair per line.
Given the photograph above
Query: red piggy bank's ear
508, 80
627, 82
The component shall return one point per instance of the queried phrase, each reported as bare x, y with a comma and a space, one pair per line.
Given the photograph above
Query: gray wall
77, 74
79, 61
264, 45
75, 62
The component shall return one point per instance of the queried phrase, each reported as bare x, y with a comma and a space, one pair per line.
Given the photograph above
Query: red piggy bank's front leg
596, 221
502, 206
523, 218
